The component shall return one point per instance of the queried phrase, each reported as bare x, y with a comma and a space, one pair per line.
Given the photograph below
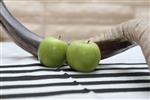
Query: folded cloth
125, 76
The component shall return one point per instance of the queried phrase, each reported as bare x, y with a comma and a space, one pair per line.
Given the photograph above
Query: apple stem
88, 41
59, 37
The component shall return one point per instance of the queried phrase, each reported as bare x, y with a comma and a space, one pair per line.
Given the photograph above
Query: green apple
52, 52
83, 56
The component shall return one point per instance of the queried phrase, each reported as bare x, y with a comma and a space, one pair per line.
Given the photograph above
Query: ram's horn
29, 41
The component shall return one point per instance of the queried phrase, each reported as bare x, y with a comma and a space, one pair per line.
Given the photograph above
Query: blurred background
74, 19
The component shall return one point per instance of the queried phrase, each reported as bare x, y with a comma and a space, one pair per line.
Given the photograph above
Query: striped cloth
123, 76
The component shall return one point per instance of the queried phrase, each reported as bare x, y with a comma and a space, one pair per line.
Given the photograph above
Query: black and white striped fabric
22, 77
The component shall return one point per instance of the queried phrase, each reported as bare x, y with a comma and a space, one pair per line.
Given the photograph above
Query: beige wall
63, 17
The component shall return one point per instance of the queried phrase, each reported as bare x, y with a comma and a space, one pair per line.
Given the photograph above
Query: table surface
125, 75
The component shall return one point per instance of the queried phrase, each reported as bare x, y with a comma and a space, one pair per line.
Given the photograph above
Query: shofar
111, 41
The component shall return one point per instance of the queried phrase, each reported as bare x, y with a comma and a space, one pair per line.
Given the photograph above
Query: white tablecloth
124, 76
